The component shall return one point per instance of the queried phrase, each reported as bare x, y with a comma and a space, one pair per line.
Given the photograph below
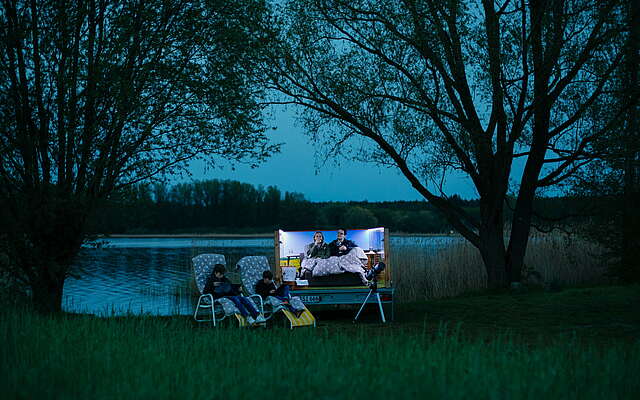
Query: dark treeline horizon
230, 206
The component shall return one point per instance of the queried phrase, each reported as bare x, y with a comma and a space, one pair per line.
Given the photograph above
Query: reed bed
141, 357
565, 260
422, 271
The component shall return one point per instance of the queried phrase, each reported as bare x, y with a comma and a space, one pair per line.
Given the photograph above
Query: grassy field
575, 344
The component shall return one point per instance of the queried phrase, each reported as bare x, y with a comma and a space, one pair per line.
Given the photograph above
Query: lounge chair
251, 269
219, 308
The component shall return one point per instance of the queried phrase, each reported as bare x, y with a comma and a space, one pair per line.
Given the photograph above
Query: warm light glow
293, 242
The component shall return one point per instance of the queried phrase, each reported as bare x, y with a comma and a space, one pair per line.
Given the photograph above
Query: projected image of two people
340, 255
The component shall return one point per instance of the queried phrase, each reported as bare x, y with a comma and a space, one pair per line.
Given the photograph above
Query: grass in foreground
601, 313
470, 347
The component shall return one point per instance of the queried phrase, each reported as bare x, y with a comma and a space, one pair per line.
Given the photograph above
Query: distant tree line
234, 207
231, 206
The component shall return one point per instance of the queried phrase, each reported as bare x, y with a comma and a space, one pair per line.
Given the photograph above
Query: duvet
354, 262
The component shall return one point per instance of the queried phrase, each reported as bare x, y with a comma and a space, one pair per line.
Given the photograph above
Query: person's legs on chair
245, 308
239, 305
286, 301
249, 306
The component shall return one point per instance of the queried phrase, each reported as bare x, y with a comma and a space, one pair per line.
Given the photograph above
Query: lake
154, 275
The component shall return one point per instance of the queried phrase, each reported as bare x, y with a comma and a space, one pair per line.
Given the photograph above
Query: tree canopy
433, 86
99, 94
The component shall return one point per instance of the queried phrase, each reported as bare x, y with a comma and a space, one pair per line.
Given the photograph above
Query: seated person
319, 248
219, 286
341, 245
265, 287
342, 259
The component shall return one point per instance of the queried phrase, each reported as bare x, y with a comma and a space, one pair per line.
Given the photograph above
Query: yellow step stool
305, 319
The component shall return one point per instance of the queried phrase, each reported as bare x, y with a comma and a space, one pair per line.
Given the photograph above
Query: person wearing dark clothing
219, 286
341, 245
265, 287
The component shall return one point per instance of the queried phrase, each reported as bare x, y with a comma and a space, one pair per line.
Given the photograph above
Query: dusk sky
293, 170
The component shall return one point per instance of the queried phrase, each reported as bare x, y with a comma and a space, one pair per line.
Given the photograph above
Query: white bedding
354, 262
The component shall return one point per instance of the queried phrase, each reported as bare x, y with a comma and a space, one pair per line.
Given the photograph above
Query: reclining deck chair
220, 308
251, 269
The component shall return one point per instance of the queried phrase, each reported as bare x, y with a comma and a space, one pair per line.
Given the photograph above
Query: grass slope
576, 344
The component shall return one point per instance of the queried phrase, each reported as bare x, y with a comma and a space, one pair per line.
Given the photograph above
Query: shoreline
236, 235
186, 235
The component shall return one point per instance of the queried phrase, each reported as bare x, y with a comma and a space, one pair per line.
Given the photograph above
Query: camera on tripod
372, 278
374, 271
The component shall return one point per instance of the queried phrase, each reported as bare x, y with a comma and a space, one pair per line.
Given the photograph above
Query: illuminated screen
293, 243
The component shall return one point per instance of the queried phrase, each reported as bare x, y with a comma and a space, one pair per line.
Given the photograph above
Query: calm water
154, 275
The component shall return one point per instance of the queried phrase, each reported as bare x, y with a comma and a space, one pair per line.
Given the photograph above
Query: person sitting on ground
319, 248
341, 245
219, 286
265, 287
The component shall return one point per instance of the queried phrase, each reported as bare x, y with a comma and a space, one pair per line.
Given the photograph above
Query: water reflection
130, 279
185, 242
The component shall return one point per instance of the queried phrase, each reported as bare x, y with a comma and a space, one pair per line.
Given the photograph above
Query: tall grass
423, 271
71, 357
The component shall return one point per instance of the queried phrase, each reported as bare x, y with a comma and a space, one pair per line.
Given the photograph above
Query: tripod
373, 289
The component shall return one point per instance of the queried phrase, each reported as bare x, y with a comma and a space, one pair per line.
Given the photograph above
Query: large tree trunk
47, 290
491, 240
521, 222
45, 232
493, 255
51, 267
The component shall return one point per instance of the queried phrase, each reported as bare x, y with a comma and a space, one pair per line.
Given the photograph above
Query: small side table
372, 258
290, 256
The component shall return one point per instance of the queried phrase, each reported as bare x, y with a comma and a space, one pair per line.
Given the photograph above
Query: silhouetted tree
616, 174
434, 86
99, 94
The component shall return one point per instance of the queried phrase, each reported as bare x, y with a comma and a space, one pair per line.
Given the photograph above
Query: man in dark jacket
265, 287
219, 286
341, 245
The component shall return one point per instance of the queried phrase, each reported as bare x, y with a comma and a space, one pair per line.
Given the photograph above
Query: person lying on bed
319, 248
341, 245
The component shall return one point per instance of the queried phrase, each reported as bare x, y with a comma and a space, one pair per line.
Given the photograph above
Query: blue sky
293, 170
